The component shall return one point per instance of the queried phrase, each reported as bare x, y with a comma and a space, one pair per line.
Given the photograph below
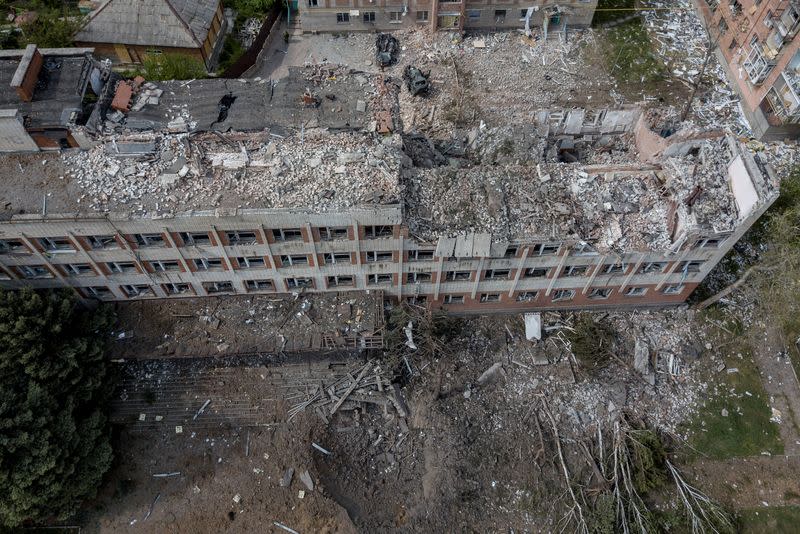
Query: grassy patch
605, 11
628, 53
745, 430
769, 520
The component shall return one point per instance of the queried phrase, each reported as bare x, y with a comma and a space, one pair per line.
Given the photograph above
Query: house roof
173, 23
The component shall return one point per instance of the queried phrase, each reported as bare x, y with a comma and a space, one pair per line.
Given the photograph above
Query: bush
591, 342
231, 52
52, 28
172, 67
54, 387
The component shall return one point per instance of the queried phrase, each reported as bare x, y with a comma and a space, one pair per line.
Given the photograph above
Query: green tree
54, 386
52, 28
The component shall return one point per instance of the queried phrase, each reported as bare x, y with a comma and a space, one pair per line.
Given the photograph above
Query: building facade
759, 48
389, 15
243, 251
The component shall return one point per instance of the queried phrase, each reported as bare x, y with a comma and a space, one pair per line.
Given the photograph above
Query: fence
250, 57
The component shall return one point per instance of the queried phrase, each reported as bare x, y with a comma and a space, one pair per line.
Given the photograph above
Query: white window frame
220, 286
174, 288
245, 262
453, 299
673, 289
150, 240
102, 242
287, 234
413, 278
490, 297
414, 255
292, 260
114, 267
527, 296
252, 285
194, 239
380, 279
335, 280
330, 258
57, 244
73, 269
600, 293
378, 256
241, 237
635, 291
36, 271
163, 266
204, 264
563, 295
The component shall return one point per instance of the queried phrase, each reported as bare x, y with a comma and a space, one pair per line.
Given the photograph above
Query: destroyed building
309, 184
758, 45
552, 17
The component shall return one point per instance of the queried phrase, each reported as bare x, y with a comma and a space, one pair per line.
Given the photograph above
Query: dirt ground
260, 324
471, 456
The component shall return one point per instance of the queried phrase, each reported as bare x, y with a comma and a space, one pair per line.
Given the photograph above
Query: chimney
24, 80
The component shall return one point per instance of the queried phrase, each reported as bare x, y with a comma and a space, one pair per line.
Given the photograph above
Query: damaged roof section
337, 98
45, 85
614, 207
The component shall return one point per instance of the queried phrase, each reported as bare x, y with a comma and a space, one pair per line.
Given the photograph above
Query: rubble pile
615, 210
683, 43
315, 170
666, 392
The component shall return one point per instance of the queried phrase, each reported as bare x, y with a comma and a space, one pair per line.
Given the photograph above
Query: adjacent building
758, 45
128, 31
321, 192
389, 15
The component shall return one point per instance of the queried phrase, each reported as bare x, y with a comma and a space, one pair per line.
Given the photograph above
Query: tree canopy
54, 385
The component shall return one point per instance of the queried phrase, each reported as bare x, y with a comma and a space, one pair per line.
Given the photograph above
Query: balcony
784, 96
757, 65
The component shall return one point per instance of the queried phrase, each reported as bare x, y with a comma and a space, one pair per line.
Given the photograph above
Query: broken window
457, 276
672, 289
414, 278
208, 264
395, 17
375, 232
422, 16
511, 251
419, 300
98, 242
336, 257
149, 240
341, 281
313, 3
563, 294
690, 266
374, 256
369, 17
287, 234
12, 245
259, 285
175, 288
121, 267
235, 237
474, 14
536, 272
333, 233
56, 244
342, 18
379, 279
99, 292
541, 249
527, 296
78, 268
575, 270
163, 266
294, 259
600, 293
497, 274
253, 262
614, 268
35, 271
137, 290
652, 267
499, 16
710, 242
490, 297
584, 249
296, 283
420, 255
635, 291
195, 238
454, 299
218, 287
